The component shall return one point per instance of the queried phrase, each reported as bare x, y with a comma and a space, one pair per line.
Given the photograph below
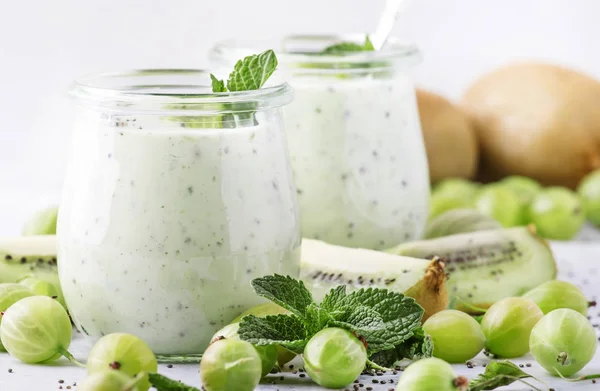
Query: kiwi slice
325, 266
29, 256
486, 266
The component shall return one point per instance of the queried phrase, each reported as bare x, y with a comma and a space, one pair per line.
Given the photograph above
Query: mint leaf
252, 72
387, 321
217, 85
289, 293
391, 305
317, 319
285, 330
335, 299
367, 323
163, 383
416, 347
348, 47
368, 45
497, 374
391, 319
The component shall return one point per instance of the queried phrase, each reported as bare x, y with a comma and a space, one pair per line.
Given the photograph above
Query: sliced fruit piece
459, 221
29, 256
487, 266
325, 266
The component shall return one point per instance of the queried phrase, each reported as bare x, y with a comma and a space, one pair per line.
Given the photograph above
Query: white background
44, 44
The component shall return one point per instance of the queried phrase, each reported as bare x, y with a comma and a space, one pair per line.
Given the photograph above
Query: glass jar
175, 199
355, 140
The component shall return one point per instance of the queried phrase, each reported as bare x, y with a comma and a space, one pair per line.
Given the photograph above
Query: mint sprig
498, 374
385, 320
348, 47
251, 73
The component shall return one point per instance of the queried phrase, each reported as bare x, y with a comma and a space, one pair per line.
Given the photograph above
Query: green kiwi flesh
29, 256
486, 266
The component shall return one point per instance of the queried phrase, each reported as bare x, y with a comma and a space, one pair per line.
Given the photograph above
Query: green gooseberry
589, 192
109, 381
557, 213
125, 353
36, 329
459, 186
39, 287
526, 188
500, 203
563, 342
555, 294
334, 357
431, 374
230, 365
507, 325
9, 294
267, 353
451, 193
456, 336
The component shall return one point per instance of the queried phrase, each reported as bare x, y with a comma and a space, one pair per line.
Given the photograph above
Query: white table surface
578, 262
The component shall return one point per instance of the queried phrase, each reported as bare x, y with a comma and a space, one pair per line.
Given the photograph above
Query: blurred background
46, 44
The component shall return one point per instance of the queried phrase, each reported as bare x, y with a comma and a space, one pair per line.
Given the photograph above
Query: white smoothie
163, 226
359, 159
355, 140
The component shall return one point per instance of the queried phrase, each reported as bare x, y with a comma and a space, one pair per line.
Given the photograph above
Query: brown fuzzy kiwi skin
452, 148
538, 120
430, 292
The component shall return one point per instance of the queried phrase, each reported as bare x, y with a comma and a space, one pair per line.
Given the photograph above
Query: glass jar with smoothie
355, 140
175, 199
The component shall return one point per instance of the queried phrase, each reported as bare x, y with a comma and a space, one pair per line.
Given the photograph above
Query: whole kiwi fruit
452, 149
538, 120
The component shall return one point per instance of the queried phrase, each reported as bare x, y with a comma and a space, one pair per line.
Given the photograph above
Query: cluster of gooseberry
548, 321
37, 329
557, 212
333, 358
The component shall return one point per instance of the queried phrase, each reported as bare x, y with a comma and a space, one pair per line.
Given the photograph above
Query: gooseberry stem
70, 357
492, 381
374, 365
581, 378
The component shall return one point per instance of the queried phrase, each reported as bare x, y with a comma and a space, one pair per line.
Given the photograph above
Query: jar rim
396, 53
174, 90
